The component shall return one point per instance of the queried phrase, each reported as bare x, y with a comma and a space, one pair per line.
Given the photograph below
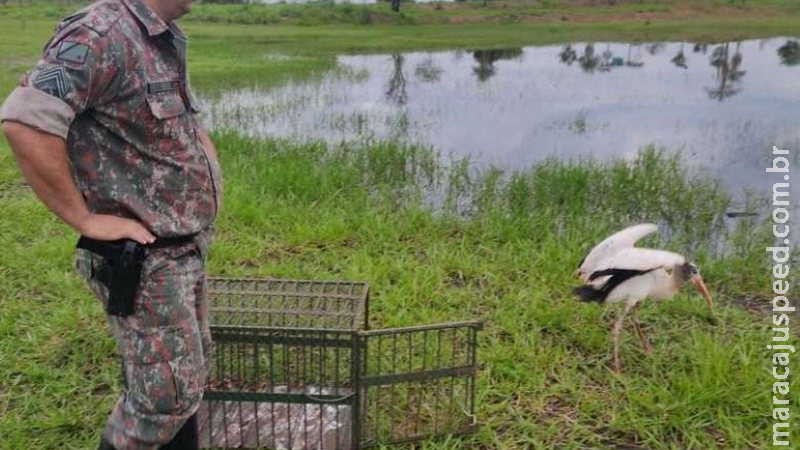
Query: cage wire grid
294, 367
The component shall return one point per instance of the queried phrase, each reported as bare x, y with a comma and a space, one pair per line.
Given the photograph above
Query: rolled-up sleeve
38, 110
73, 74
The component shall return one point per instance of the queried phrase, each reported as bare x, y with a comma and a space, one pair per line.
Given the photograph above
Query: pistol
126, 272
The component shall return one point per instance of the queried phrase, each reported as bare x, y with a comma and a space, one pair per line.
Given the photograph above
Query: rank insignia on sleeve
72, 52
52, 80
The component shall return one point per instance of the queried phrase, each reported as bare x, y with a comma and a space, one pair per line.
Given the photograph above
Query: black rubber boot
186, 439
105, 445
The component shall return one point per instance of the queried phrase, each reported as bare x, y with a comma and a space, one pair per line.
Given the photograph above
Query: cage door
418, 382
280, 389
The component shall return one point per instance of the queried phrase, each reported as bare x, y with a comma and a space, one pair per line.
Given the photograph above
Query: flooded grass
724, 105
550, 200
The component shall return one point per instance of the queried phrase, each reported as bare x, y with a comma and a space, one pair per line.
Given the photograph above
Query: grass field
500, 246
315, 34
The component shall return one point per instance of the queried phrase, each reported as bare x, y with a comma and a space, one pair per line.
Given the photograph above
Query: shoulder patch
72, 52
52, 80
99, 18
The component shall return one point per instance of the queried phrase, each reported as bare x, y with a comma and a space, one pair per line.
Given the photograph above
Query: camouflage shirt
113, 83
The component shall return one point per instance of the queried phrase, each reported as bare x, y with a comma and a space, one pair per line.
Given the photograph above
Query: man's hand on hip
105, 227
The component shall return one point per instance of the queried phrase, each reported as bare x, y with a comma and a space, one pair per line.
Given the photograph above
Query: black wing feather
589, 293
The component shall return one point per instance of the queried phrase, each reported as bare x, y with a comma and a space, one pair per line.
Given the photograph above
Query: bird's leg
615, 333
648, 349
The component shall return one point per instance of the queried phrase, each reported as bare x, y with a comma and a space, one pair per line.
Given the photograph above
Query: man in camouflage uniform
105, 131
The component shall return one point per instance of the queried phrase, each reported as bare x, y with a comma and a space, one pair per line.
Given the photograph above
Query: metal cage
338, 305
294, 367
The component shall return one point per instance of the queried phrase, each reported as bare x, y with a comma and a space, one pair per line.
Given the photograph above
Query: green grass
497, 246
224, 55
328, 13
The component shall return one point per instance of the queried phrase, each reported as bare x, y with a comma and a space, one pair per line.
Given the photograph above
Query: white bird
616, 271
612, 245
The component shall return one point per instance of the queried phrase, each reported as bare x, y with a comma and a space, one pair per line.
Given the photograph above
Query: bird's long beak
698, 283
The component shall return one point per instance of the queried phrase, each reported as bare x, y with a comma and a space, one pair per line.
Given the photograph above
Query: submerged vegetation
437, 239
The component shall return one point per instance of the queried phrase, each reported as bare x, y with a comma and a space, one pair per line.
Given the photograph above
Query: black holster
121, 273
123, 269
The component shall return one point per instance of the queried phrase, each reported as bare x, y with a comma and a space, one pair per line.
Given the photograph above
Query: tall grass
578, 202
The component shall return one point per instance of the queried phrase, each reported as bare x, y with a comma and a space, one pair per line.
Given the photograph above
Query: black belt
110, 249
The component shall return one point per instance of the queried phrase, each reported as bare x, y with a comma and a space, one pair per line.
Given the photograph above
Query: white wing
642, 259
654, 283
613, 245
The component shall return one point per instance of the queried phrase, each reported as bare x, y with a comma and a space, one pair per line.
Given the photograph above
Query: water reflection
397, 83
588, 60
568, 55
790, 53
634, 61
655, 48
680, 59
486, 59
428, 72
726, 62
723, 105
728, 75
591, 62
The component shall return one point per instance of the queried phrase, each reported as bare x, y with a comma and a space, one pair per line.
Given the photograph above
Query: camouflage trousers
163, 346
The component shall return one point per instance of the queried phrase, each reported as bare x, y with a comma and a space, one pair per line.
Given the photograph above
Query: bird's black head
688, 271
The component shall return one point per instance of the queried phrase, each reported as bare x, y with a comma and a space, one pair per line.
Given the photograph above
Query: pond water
723, 105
